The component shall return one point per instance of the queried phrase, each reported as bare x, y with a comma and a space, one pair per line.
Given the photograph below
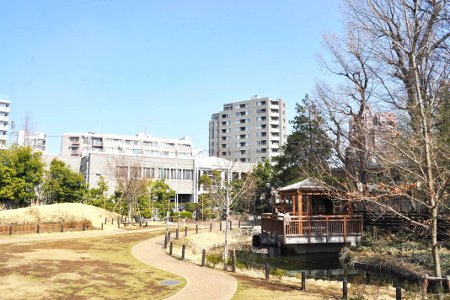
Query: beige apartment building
79, 144
249, 131
4, 121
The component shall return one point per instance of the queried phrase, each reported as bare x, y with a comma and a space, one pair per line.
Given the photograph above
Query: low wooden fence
45, 227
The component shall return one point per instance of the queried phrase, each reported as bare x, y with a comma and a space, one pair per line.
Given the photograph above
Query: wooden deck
311, 230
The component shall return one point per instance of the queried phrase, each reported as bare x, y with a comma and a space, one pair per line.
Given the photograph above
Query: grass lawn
88, 268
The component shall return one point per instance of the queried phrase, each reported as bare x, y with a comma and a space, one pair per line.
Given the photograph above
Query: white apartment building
249, 131
36, 140
4, 121
79, 144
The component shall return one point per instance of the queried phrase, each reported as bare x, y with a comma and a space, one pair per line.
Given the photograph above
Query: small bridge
296, 230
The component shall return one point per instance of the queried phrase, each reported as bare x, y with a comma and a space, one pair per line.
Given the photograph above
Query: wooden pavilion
307, 215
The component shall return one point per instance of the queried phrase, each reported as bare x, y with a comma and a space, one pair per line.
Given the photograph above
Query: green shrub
214, 259
191, 206
277, 273
183, 215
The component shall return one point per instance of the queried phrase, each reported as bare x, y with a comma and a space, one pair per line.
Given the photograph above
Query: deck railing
312, 226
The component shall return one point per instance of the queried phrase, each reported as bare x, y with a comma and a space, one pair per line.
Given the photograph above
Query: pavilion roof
306, 185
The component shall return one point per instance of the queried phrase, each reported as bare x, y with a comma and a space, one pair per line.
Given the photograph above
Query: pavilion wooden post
300, 213
345, 229
308, 198
294, 207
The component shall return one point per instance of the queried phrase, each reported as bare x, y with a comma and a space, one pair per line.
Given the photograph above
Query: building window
261, 134
135, 172
149, 172
122, 171
188, 174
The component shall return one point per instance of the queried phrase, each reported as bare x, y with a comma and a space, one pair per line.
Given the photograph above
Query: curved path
201, 282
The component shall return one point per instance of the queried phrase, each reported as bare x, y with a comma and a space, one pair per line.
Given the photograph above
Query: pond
326, 266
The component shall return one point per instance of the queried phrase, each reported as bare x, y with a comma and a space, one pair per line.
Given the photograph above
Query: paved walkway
201, 283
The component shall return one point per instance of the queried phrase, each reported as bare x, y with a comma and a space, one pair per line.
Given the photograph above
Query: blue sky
161, 66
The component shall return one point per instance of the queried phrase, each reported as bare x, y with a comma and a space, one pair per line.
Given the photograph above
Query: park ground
102, 267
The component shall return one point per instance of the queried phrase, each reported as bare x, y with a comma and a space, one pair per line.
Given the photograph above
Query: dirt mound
54, 213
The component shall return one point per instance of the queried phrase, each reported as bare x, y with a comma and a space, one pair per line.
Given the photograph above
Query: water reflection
315, 265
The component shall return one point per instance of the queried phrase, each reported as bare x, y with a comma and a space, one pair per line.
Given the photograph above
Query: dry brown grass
54, 213
94, 268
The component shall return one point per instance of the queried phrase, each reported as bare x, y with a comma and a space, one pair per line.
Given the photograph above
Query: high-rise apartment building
79, 144
248, 131
4, 121
372, 133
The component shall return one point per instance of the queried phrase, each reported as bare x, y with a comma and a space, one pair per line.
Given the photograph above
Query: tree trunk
429, 175
434, 243
227, 214
130, 208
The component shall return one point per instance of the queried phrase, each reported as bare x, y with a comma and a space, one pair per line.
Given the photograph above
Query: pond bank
329, 289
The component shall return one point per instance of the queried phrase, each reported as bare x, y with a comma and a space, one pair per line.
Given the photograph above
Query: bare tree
127, 173
396, 56
228, 187
28, 126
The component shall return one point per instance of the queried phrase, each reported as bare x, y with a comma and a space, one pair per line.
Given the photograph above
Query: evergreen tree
307, 148
21, 172
61, 184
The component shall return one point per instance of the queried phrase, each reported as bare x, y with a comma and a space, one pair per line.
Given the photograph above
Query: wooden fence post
62, 227
398, 293
183, 250
220, 226
344, 289
231, 225
196, 228
233, 261
185, 231
10, 229
448, 283
239, 224
177, 234
425, 285
102, 226
38, 228
267, 271
171, 248
210, 226
303, 281
203, 257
